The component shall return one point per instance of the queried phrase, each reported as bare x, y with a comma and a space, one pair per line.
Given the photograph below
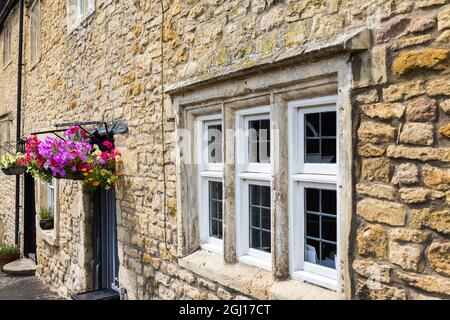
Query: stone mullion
279, 185
229, 185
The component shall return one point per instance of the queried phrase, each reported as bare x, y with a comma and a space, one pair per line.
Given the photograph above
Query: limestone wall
8, 94
110, 69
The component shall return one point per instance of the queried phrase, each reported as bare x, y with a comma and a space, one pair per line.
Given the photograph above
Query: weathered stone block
439, 257
438, 220
386, 212
377, 169
272, 18
429, 3
425, 282
414, 195
417, 133
406, 256
438, 87
421, 110
380, 191
432, 59
445, 106
371, 290
444, 37
403, 91
409, 235
406, 173
444, 130
370, 96
444, 19
384, 111
369, 150
407, 42
423, 153
372, 242
376, 132
436, 178
373, 270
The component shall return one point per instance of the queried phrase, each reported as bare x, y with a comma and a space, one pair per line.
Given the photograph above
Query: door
29, 221
106, 262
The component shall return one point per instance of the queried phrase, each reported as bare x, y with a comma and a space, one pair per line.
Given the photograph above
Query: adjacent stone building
352, 200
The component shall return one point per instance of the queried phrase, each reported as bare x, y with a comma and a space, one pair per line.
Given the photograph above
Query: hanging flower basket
12, 165
73, 159
14, 171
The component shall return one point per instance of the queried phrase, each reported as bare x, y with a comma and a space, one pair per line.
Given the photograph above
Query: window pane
320, 227
260, 220
328, 255
328, 228
259, 141
265, 246
215, 209
320, 137
328, 124
265, 219
215, 143
312, 225
329, 201
312, 126
312, 199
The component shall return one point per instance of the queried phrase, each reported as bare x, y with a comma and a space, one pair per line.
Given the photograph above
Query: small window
7, 38
320, 227
215, 209
35, 32
259, 209
254, 241
210, 164
314, 201
78, 11
259, 141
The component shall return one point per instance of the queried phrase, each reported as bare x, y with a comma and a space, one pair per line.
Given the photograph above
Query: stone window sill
48, 236
252, 281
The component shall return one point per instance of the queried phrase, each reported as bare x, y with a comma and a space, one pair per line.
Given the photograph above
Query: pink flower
108, 144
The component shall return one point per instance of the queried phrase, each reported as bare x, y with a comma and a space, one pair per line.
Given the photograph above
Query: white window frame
51, 196
35, 24
80, 12
207, 172
249, 174
303, 175
7, 42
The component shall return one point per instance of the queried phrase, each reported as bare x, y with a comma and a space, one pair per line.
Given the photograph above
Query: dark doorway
29, 221
106, 261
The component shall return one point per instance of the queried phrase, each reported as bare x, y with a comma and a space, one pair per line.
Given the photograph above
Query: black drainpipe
19, 112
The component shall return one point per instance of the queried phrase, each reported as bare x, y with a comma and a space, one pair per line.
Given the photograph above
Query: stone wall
403, 154
8, 94
110, 69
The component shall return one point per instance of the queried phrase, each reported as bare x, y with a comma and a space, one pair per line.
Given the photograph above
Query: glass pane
255, 217
312, 125
328, 151
265, 219
312, 152
328, 124
266, 245
329, 228
320, 137
312, 251
215, 209
265, 197
215, 143
255, 238
312, 226
255, 194
259, 141
329, 201
328, 255
312, 200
